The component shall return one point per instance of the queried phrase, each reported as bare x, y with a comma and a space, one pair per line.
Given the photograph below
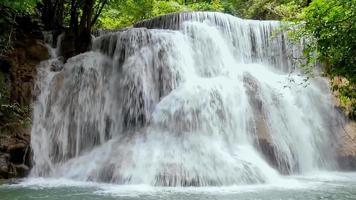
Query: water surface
320, 186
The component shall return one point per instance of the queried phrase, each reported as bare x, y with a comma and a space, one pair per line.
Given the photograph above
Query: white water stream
198, 99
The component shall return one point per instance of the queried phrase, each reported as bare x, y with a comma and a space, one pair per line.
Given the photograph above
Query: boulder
15, 154
21, 170
57, 64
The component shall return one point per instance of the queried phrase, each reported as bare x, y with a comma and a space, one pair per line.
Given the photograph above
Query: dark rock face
23, 61
263, 140
269, 151
15, 151
67, 46
346, 155
4, 66
347, 162
4, 165
20, 67
15, 155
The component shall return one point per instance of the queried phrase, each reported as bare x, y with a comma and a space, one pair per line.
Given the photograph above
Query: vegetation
9, 10
331, 25
126, 13
12, 114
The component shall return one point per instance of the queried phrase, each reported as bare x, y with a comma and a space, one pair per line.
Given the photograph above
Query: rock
4, 65
4, 165
263, 139
269, 151
19, 67
67, 46
347, 162
21, 170
24, 60
57, 65
346, 154
18, 152
253, 89
15, 154
37, 50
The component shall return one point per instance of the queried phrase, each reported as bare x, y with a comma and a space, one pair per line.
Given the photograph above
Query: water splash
193, 99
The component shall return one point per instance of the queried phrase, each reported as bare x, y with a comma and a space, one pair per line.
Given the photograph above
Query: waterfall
186, 99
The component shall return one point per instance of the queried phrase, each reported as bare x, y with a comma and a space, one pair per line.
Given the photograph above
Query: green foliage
329, 29
19, 6
124, 13
9, 10
127, 12
332, 25
165, 7
264, 9
214, 5
346, 91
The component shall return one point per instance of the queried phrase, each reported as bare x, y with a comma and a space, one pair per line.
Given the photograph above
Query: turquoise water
340, 186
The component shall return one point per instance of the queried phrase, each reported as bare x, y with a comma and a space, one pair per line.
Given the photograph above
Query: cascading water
188, 99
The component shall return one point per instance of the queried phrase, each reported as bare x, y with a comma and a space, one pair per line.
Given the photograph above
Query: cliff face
342, 91
347, 147
19, 66
23, 61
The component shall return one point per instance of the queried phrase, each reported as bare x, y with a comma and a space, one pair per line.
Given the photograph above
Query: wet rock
346, 154
253, 91
271, 155
15, 154
19, 67
347, 162
21, 170
4, 165
57, 65
263, 139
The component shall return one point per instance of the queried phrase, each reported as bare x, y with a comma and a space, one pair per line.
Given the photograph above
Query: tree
127, 12
83, 15
77, 23
331, 26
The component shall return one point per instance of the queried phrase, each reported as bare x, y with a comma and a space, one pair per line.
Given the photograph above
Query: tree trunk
52, 14
83, 14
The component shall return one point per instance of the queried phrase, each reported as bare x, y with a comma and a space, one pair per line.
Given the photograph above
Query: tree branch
97, 14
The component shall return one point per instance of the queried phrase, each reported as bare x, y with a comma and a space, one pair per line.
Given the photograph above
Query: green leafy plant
330, 33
